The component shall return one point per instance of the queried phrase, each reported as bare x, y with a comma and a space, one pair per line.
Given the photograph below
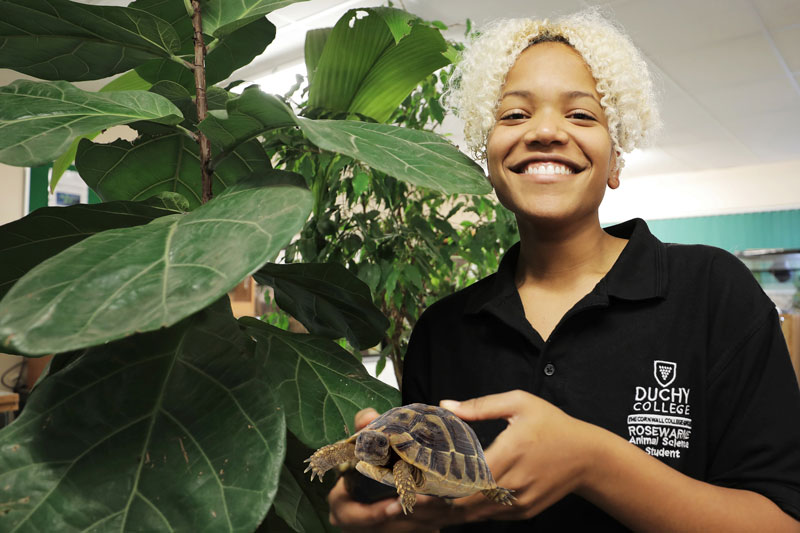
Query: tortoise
418, 449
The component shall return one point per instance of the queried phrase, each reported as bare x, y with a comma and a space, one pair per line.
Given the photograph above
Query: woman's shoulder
718, 273
705, 258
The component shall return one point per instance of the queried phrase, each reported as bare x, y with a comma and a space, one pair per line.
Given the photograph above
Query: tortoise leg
499, 495
329, 456
406, 487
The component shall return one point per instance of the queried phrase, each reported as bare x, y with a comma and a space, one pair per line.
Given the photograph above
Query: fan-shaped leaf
63, 40
47, 231
39, 120
369, 64
352, 48
174, 430
320, 385
398, 72
315, 44
139, 279
327, 299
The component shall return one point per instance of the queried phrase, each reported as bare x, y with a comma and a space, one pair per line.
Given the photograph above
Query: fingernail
449, 404
393, 509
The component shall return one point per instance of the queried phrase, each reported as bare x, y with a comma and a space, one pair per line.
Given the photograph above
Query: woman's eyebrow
520, 92
574, 95
569, 95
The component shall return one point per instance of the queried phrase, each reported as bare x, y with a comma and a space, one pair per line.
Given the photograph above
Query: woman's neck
565, 256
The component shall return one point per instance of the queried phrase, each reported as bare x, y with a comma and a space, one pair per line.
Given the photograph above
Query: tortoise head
373, 447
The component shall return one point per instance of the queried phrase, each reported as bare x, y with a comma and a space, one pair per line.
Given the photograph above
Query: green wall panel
39, 188
770, 229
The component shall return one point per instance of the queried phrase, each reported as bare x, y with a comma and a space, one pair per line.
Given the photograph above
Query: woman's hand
542, 455
385, 515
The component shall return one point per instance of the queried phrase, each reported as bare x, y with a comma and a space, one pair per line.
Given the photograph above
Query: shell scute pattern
421, 449
436, 441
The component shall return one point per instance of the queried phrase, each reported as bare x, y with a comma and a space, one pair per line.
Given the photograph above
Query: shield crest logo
664, 372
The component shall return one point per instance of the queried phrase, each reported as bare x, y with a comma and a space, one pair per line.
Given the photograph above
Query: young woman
618, 382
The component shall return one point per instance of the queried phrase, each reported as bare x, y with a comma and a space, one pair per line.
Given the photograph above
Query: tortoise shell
441, 445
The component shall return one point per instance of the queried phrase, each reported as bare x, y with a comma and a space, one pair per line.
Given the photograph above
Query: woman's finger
490, 407
364, 417
347, 512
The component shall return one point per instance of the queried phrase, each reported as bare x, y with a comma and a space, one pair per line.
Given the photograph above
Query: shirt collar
639, 273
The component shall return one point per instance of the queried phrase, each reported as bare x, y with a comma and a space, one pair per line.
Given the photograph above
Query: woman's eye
581, 116
514, 115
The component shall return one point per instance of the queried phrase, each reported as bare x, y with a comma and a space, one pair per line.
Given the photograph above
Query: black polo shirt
677, 349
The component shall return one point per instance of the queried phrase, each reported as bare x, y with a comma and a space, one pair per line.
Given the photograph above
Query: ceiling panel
787, 42
749, 98
671, 27
735, 61
456, 12
770, 135
778, 14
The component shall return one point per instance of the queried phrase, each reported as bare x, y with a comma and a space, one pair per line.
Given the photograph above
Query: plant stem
200, 98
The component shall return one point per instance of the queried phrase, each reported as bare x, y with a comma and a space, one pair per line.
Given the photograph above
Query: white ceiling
728, 70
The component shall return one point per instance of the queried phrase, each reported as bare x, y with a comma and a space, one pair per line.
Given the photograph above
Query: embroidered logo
659, 421
665, 372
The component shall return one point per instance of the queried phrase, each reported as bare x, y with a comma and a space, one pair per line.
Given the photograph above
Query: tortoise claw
500, 495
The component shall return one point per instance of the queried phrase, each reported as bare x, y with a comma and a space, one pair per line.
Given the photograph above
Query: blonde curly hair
623, 79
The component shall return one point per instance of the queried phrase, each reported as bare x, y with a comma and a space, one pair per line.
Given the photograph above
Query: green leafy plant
160, 410
411, 245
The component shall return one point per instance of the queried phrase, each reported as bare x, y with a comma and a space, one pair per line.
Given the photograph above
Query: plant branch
189, 133
201, 100
182, 62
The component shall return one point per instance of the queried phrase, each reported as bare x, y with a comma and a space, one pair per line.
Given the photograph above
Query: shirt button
549, 369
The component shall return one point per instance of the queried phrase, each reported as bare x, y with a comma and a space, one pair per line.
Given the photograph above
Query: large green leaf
226, 54
246, 117
302, 505
221, 17
39, 120
315, 44
327, 299
139, 279
174, 430
320, 385
398, 21
398, 72
28, 241
368, 65
130, 81
415, 156
63, 40
419, 157
352, 48
125, 170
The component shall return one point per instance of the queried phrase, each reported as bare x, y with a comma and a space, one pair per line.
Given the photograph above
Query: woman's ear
616, 167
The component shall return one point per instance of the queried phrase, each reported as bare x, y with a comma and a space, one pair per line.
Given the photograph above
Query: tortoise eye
381, 441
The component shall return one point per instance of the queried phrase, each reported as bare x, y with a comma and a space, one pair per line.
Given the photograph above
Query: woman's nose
545, 128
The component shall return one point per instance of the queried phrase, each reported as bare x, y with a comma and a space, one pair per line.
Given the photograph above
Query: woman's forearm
645, 494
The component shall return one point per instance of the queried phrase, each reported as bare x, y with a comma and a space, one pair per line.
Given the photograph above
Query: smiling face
550, 155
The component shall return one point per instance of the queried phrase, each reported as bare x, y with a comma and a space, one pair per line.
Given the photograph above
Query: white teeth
546, 169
